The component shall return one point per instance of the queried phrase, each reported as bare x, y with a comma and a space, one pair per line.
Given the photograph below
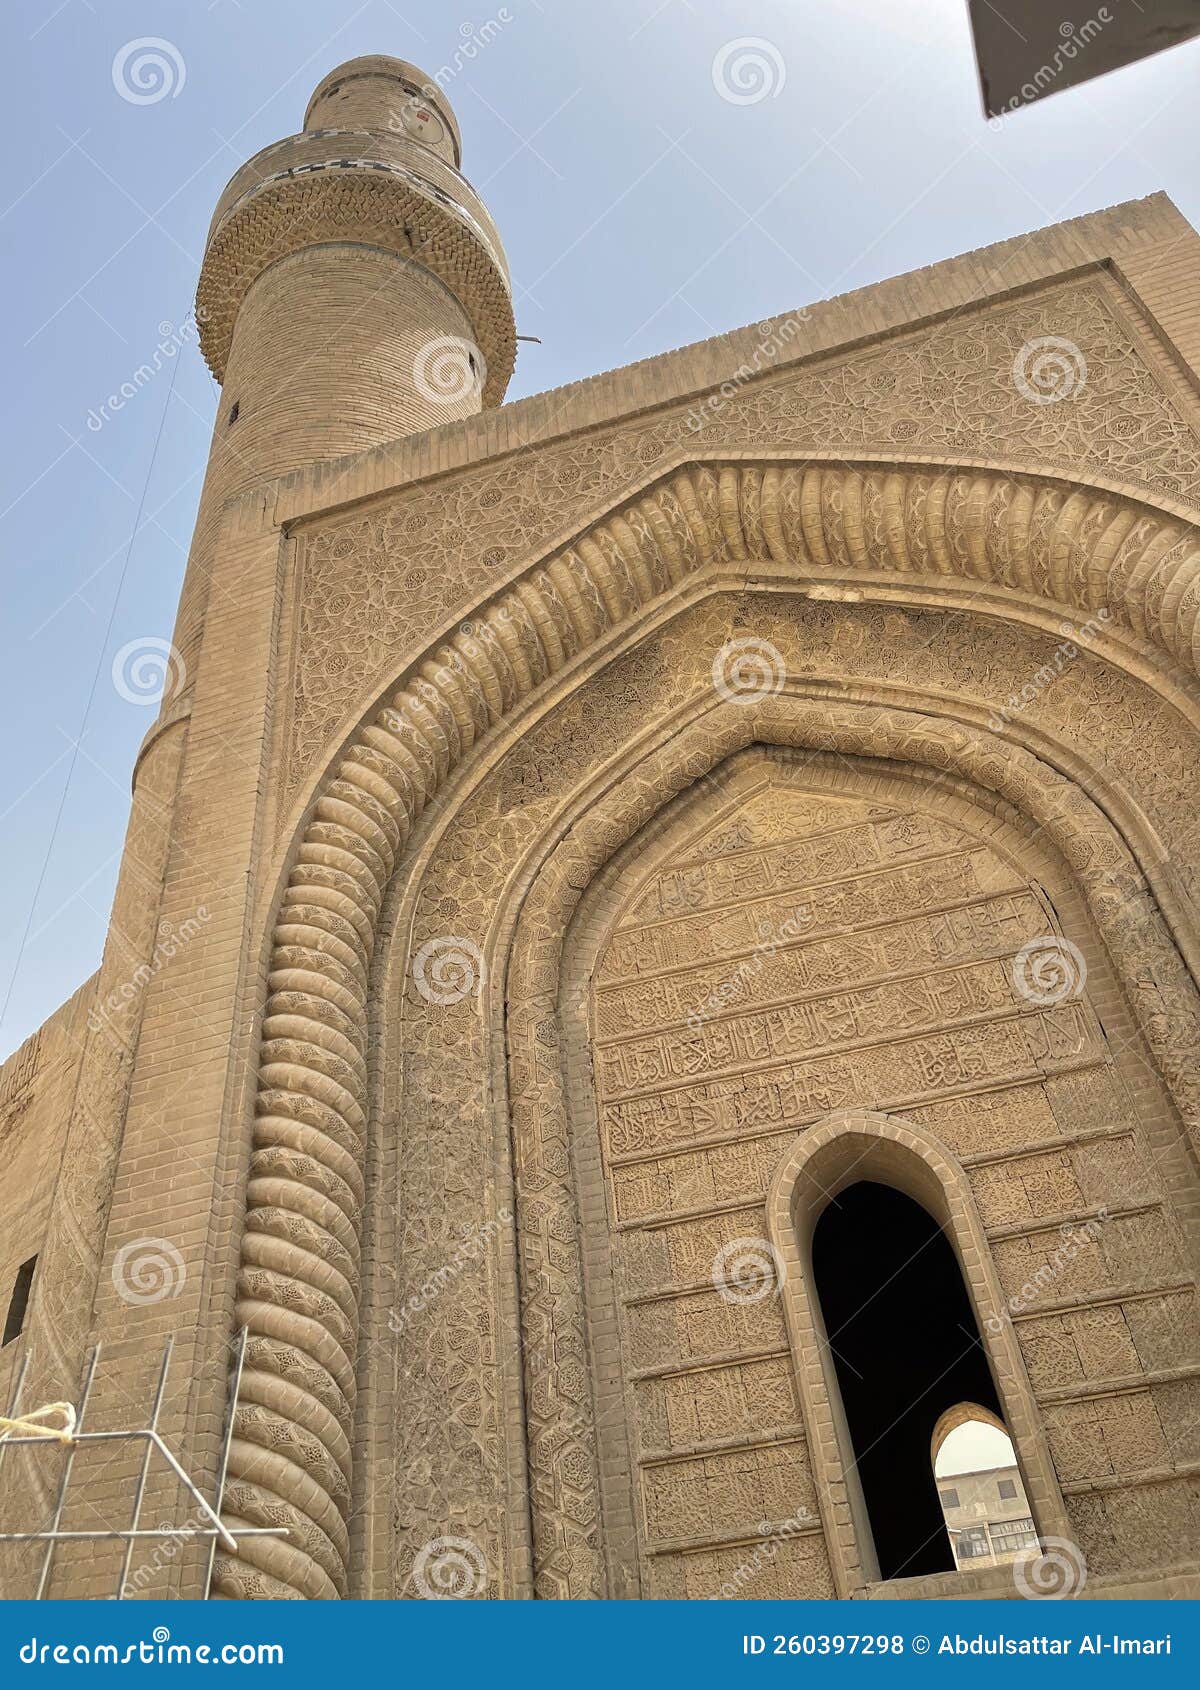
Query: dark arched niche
847, 1148
905, 1347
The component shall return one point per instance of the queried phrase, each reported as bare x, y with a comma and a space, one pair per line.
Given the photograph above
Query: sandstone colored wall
806, 953
914, 369
37, 1086
373, 579
923, 584
800, 954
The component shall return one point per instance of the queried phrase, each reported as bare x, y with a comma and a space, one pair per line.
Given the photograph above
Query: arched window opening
906, 1348
983, 1499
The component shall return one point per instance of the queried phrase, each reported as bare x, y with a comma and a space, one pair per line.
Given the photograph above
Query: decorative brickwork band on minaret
354, 290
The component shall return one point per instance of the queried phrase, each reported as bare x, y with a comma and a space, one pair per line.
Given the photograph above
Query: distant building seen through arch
980, 1489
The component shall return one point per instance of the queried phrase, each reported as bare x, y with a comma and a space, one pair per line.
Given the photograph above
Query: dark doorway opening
18, 1303
905, 1347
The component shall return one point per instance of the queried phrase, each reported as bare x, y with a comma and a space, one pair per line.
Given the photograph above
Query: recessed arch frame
549, 890
298, 1283
1018, 540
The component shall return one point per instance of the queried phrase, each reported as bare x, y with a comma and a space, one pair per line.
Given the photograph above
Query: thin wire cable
87, 709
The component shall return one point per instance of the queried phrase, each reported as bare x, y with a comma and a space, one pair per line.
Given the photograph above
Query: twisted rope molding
298, 1285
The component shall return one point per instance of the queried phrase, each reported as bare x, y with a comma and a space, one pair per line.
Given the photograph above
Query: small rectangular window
18, 1303
949, 1498
1006, 1488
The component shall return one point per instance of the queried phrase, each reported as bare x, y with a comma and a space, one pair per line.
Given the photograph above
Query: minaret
354, 290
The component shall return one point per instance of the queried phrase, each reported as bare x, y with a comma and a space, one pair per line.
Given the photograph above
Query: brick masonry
446, 692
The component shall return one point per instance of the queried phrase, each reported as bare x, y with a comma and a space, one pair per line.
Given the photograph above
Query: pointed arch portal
1021, 546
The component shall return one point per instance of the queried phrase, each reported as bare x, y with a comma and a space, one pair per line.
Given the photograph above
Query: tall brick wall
37, 1086
322, 308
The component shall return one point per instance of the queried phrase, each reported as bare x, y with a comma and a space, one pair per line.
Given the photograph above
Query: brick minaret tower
354, 290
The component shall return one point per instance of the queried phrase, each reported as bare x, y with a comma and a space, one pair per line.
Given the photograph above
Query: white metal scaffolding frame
72, 1435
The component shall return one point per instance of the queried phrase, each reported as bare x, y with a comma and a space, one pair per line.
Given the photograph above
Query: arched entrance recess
538, 1095
744, 1396
305, 1194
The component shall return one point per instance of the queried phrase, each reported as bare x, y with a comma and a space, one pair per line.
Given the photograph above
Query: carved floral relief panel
694, 1128
377, 583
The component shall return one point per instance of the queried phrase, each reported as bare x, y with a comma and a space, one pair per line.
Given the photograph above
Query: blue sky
641, 210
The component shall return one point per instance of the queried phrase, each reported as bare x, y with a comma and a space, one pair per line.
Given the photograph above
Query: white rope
30, 1425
